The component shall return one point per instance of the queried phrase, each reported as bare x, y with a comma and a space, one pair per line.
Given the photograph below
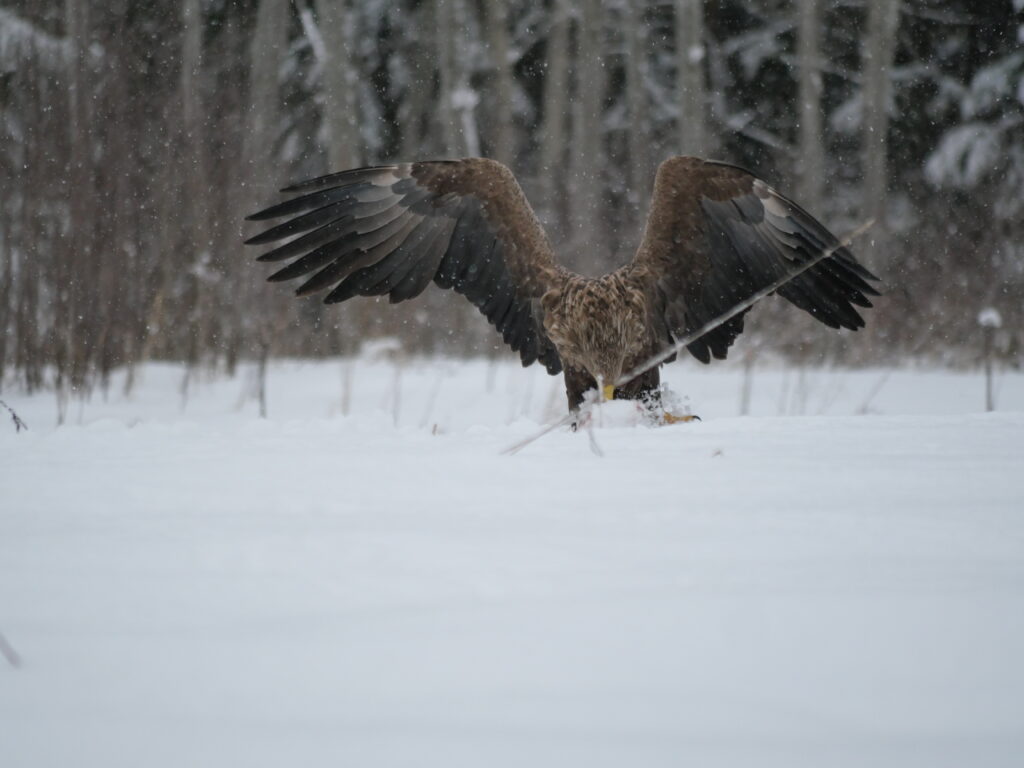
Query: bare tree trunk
265, 347
113, 304
503, 136
154, 324
587, 156
810, 168
29, 355
747, 385
690, 91
879, 50
340, 83
72, 346
446, 37
191, 61
194, 178
989, 332
417, 104
267, 49
444, 17
7, 252
639, 129
458, 100
556, 104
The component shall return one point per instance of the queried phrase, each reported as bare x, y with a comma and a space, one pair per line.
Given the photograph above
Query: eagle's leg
577, 384
645, 388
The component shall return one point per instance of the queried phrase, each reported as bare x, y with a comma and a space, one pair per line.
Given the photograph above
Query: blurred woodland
136, 136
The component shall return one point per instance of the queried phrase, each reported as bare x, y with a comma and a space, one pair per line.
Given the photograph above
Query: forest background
136, 136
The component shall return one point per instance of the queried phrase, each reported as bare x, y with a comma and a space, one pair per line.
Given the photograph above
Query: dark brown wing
391, 230
716, 235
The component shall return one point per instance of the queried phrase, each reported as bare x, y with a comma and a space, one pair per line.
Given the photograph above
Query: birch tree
810, 167
503, 133
340, 82
267, 49
457, 99
587, 155
878, 51
637, 107
556, 103
692, 128
416, 105
71, 344
197, 236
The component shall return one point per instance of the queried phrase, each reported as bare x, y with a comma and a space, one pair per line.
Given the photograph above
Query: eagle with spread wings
715, 236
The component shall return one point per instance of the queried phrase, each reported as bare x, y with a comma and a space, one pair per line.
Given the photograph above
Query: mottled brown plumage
715, 235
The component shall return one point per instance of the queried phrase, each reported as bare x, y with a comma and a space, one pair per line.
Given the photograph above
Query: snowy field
364, 579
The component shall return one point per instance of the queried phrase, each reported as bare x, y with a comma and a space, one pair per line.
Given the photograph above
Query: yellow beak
608, 392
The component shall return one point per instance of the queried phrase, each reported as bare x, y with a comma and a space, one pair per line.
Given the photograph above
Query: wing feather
392, 229
716, 234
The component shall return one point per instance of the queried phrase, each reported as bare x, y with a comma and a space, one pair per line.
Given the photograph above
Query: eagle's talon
671, 418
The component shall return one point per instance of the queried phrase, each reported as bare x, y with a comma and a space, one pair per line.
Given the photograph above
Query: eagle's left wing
391, 230
716, 235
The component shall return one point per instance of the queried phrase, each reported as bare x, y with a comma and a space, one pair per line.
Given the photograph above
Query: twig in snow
873, 392
516, 447
396, 391
592, 438
428, 411
875, 389
9, 653
18, 426
588, 401
748, 381
346, 388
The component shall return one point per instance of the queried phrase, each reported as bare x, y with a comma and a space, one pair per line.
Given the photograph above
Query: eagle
715, 235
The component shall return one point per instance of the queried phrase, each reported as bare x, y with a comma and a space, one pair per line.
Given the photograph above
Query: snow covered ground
363, 579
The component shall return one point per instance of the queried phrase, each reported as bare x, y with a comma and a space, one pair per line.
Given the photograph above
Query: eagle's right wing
716, 235
391, 230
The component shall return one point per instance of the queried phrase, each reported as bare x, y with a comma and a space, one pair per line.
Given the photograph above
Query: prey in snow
715, 236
